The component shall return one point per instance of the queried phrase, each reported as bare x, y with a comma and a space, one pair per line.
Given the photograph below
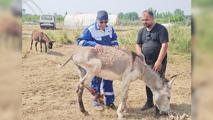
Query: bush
61, 37
180, 39
127, 38
64, 39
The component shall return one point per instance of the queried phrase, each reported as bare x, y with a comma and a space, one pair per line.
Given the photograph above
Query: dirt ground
48, 93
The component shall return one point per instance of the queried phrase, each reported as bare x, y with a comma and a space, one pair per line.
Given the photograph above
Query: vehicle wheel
53, 27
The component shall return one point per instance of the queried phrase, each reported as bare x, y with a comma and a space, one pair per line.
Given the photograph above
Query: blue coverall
91, 36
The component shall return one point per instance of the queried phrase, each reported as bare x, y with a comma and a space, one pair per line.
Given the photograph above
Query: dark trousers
149, 94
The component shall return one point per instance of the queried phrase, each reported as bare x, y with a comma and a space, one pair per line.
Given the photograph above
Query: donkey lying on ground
41, 37
123, 65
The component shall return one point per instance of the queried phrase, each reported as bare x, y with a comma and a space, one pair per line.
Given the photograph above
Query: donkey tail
70, 58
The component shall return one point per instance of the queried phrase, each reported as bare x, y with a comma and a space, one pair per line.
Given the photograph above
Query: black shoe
111, 106
147, 106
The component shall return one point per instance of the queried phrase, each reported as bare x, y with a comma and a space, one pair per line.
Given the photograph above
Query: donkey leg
92, 68
45, 47
36, 46
40, 46
124, 95
125, 83
87, 70
80, 90
80, 101
84, 76
82, 73
31, 44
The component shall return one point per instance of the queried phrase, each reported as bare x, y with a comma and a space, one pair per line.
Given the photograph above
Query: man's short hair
149, 12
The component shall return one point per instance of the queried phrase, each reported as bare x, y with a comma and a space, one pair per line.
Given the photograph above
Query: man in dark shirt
152, 41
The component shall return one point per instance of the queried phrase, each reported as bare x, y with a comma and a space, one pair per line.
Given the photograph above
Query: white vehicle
47, 21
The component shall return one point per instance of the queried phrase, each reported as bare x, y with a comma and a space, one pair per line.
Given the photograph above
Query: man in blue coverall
97, 35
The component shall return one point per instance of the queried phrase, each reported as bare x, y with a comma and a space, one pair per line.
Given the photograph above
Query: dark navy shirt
151, 42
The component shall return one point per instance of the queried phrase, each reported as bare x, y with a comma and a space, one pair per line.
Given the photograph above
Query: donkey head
50, 44
162, 97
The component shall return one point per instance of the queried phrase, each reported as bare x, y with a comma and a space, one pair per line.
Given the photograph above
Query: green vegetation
203, 25
128, 27
130, 18
5, 3
59, 18
178, 17
202, 3
61, 38
35, 18
30, 18
180, 39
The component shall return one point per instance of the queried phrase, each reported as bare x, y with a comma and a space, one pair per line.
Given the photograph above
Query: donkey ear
172, 79
171, 82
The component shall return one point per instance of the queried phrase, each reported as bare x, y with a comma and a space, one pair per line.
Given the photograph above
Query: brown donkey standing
41, 37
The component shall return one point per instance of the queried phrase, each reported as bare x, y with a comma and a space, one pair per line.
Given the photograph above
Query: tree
120, 15
179, 12
132, 16
178, 15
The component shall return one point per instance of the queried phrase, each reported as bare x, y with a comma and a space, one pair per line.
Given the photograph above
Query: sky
112, 6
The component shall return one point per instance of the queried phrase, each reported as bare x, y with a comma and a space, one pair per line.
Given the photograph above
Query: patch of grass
75, 34
63, 38
60, 37
180, 39
127, 37
50, 35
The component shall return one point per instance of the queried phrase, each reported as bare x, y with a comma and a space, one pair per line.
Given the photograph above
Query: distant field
179, 36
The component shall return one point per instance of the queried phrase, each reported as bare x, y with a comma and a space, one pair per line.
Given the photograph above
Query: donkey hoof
85, 113
77, 90
125, 110
120, 117
157, 115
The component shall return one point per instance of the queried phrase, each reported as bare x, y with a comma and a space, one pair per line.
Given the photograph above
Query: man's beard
148, 25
